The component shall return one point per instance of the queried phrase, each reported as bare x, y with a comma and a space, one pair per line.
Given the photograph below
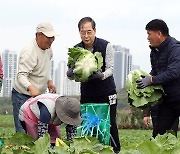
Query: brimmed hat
46, 28
68, 110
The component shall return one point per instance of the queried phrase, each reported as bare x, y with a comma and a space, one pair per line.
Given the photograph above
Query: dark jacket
98, 87
165, 62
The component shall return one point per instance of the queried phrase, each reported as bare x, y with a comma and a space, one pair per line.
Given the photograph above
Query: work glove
144, 82
70, 73
96, 75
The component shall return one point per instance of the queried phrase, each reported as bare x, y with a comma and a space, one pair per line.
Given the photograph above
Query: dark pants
23, 124
17, 101
174, 127
167, 118
112, 100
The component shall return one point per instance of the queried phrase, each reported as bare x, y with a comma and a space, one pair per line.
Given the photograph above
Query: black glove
144, 82
70, 73
96, 75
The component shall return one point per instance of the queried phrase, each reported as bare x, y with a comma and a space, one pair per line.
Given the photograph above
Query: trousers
17, 101
167, 115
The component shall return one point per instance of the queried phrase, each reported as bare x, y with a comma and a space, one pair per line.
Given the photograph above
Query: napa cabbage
84, 63
142, 98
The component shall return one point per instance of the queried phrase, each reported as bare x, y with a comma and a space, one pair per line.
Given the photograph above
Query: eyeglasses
89, 32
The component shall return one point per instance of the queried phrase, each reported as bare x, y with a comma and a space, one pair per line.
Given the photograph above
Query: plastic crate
96, 121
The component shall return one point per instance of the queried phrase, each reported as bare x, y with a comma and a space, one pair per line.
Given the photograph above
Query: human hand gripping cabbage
83, 63
145, 97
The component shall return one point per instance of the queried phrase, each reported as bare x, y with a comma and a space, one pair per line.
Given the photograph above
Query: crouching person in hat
44, 113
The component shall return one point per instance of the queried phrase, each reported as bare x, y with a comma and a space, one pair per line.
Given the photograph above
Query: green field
132, 141
127, 136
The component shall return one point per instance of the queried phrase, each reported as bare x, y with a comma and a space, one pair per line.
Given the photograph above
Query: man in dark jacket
101, 87
165, 63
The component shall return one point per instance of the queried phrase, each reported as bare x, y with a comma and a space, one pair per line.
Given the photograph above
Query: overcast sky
121, 22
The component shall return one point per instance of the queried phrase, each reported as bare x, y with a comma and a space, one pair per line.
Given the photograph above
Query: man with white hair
33, 70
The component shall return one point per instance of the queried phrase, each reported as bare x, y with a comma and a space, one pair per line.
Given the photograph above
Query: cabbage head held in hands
84, 63
142, 98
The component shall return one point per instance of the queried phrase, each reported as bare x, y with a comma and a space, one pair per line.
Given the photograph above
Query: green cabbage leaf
84, 63
145, 97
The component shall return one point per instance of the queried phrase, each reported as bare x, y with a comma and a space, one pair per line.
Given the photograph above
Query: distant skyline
121, 22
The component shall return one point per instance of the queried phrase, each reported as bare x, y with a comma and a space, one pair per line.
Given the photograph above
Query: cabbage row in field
162, 144
21, 143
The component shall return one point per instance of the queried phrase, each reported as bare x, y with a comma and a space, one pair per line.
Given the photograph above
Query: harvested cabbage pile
142, 98
84, 63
